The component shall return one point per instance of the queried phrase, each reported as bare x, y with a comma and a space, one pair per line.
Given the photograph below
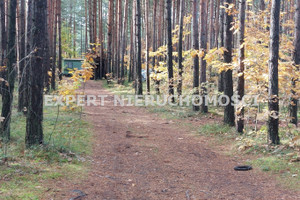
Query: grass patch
215, 129
28, 173
285, 171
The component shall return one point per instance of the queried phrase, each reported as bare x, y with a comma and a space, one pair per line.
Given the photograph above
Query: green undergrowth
28, 174
276, 160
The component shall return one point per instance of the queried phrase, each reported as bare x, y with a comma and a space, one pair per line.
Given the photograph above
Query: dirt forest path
139, 156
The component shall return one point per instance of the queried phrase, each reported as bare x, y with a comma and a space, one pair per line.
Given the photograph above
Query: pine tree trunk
273, 123
7, 96
118, 42
241, 79
3, 33
74, 36
203, 47
221, 44
229, 117
131, 66
101, 71
3, 43
147, 45
154, 34
180, 48
196, 47
170, 49
86, 24
139, 88
34, 127
53, 69
59, 40
46, 66
22, 57
94, 21
217, 23
211, 26
109, 41
123, 43
296, 57
29, 50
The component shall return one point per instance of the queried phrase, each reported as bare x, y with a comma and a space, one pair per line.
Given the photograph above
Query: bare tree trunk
118, 42
74, 36
196, 47
3, 32
94, 21
86, 24
123, 43
217, 23
273, 123
241, 78
139, 88
211, 26
59, 40
221, 44
154, 34
147, 45
229, 116
29, 50
203, 47
180, 47
109, 41
170, 49
101, 71
3, 43
296, 57
53, 78
160, 37
46, 62
132, 61
22, 57
7, 96
34, 127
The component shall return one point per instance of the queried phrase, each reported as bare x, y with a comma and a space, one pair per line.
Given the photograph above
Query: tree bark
221, 44
180, 48
109, 41
196, 47
203, 46
22, 57
34, 127
211, 25
123, 43
7, 96
118, 41
170, 49
296, 58
3, 32
3, 44
59, 40
101, 71
229, 117
147, 45
139, 88
132, 36
273, 123
53, 69
241, 79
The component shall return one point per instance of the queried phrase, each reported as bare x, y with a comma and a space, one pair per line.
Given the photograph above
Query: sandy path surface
139, 156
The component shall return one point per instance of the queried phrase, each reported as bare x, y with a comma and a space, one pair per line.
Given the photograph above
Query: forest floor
139, 155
